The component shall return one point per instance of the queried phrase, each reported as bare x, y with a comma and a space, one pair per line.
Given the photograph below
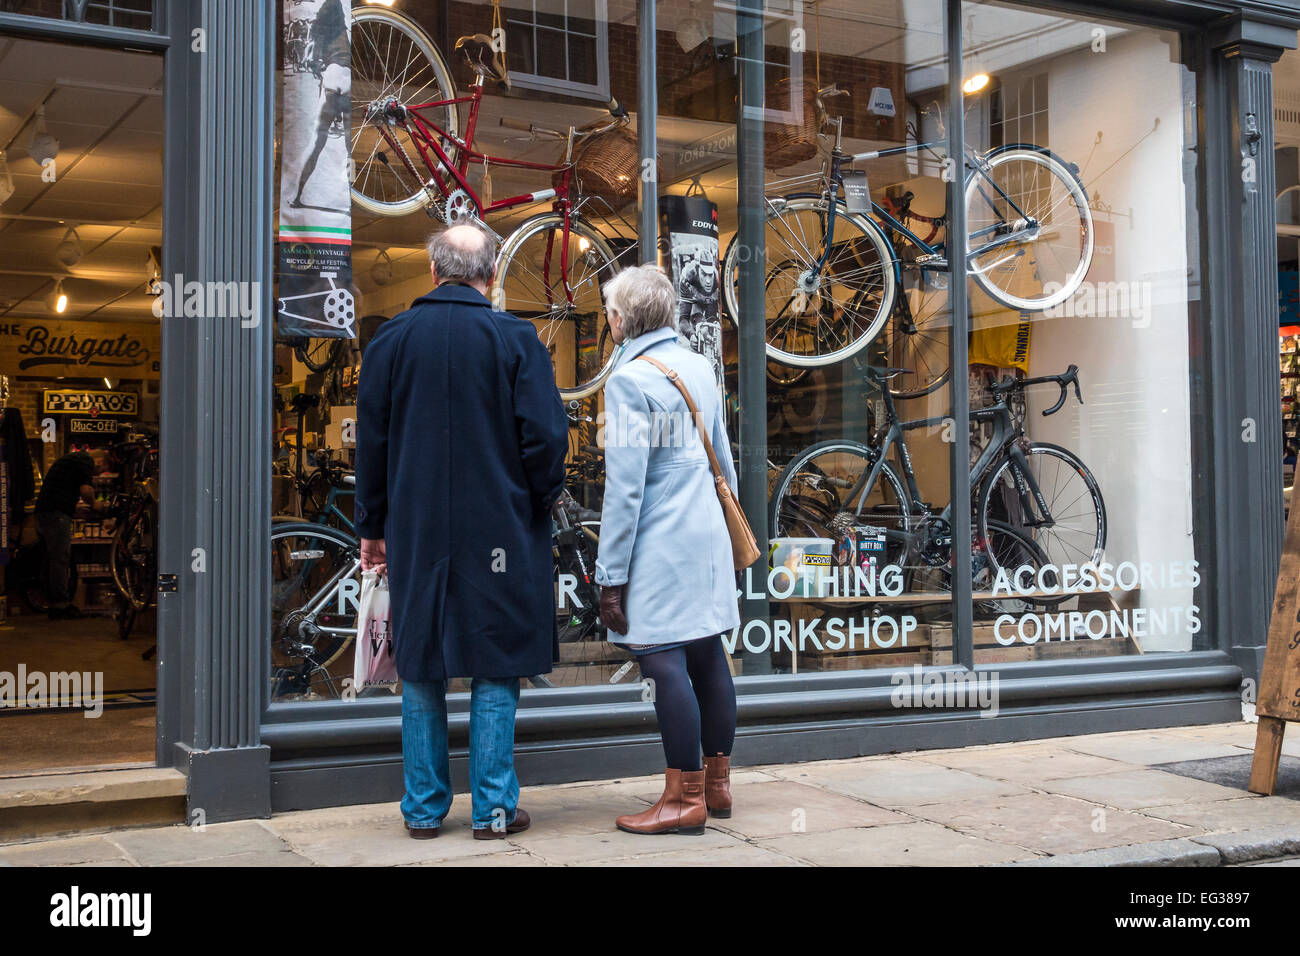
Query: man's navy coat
461, 440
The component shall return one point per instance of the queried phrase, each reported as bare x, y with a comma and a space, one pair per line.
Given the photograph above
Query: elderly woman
665, 564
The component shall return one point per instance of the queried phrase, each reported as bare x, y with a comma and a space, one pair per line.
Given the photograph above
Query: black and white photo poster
689, 227
315, 234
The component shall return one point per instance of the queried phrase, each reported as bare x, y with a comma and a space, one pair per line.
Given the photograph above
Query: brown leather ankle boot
679, 810
717, 785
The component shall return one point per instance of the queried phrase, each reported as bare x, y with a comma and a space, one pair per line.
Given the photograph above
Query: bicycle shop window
1083, 286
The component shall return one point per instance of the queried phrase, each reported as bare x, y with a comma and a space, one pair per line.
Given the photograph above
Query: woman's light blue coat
661, 531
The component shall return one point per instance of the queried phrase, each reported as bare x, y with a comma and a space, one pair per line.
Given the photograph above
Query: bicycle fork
1028, 491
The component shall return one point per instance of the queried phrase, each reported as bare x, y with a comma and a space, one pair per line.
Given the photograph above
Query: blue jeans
494, 788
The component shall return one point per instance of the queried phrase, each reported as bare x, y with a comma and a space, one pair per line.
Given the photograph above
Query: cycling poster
315, 235
689, 225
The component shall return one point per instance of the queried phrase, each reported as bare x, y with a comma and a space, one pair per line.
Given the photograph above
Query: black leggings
694, 700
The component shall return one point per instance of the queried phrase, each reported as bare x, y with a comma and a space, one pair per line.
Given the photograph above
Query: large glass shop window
1083, 278
535, 146
854, 307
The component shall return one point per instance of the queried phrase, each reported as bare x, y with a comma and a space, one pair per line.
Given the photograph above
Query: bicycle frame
1002, 442
938, 252
425, 135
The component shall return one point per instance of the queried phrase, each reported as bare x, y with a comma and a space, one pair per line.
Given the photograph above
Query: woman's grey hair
644, 297
462, 253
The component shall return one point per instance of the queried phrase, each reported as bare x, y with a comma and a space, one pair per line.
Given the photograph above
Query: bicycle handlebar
1063, 381
616, 108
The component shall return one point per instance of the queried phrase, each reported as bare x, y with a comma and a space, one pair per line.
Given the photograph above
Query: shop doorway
81, 213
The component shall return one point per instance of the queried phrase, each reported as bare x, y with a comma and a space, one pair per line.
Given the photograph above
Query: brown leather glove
611, 608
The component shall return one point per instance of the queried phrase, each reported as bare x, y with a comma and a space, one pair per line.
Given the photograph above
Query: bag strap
695, 412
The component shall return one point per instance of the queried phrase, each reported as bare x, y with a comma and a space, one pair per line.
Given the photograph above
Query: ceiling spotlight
382, 271
43, 147
69, 251
692, 31
57, 300
6, 180
975, 83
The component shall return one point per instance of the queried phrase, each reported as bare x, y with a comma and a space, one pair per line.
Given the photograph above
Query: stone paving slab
1243, 813
615, 844
1025, 764
1161, 853
901, 782
777, 808
1148, 747
95, 851
1136, 789
904, 844
180, 843
1050, 823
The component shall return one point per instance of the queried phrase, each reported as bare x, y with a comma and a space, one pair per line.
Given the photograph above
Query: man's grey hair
644, 297
462, 253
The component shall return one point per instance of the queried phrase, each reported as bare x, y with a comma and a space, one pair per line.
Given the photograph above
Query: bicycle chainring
459, 208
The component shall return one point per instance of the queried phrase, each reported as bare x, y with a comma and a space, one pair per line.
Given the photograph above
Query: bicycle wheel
817, 317
530, 283
811, 496
319, 354
1029, 228
133, 558
312, 622
392, 60
917, 336
1077, 532
1004, 546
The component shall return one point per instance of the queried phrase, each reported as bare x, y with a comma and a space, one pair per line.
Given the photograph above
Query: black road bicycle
1034, 503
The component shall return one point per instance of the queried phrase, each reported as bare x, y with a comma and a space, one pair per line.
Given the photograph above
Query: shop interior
81, 132
1286, 126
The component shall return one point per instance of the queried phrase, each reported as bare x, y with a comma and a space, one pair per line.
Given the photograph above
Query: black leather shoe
422, 833
519, 824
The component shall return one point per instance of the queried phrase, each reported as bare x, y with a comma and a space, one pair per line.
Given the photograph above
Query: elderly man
461, 439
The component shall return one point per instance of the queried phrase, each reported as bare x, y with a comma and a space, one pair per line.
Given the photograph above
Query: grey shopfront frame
247, 757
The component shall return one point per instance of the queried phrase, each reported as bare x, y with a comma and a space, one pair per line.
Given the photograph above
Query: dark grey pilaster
647, 125
752, 325
1243, 361
215, 414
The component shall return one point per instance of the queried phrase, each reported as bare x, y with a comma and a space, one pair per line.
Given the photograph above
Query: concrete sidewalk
1162, 797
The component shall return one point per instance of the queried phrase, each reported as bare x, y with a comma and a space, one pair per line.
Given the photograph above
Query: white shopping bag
375, 665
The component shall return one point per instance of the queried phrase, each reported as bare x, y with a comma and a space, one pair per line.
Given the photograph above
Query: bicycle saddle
483, 59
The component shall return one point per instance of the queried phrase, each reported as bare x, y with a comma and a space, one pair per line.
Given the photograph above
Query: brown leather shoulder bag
744, 548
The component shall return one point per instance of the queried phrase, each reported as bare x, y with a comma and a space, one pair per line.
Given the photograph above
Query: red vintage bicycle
551, 267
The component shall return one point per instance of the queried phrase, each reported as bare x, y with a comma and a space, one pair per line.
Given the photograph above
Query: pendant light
382, 270
692, 31
42, 147
69, 251
57, 300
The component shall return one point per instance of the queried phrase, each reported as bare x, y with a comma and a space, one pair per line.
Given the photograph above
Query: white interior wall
1134, 430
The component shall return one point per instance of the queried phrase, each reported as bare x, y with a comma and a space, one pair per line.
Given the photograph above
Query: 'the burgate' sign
92, 349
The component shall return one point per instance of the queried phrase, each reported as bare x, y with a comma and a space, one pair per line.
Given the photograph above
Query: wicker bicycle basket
606, 166
787, 144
